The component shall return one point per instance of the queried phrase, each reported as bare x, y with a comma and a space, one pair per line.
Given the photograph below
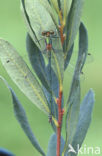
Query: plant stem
61, 27
61, 34
59, 102
60, 116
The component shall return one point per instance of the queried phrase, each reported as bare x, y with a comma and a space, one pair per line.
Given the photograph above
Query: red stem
61, 27
60, 116
60, 110
61, 34
59, 102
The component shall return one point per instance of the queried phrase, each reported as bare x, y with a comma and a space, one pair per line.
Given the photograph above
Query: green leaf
20, 115
37, 61
52, 145
57, 63
65, 5
67, 59
28, 23
82, 54
84, 120
73, 110
73, 22
53, 4
50, 10
53, 107
83, 43
59, 4
22, 76
5, 152
73, 101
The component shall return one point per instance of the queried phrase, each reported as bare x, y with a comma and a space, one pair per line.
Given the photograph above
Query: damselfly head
47, 33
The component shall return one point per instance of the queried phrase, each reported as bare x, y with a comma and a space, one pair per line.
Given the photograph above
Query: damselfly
47, 36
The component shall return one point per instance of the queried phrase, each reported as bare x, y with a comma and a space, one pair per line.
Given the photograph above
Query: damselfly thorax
47, 37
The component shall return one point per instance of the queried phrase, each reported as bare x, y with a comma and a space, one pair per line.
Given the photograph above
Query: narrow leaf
83, 49
68, 57
37, 61
53, 108
74, 97
84, 120
54, 4
52, 145
22, 76
49, 9
65, 6
73, 111
58, 65
73, 22
4, 152
83, 42
59, 4
20, 115
28, 23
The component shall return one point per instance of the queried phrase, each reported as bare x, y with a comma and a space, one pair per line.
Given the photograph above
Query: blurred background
12, 28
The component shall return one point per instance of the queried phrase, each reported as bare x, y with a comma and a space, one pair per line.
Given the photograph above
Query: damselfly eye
44, 33
51, 32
